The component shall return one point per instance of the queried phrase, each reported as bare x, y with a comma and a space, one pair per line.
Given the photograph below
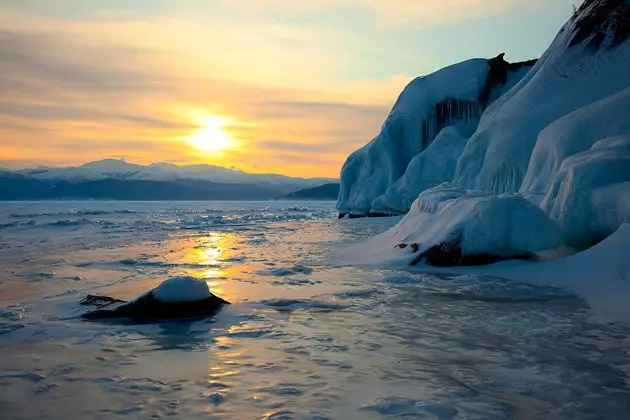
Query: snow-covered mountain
119, 169
534, 155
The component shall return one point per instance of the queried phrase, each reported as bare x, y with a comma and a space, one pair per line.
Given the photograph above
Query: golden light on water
212, 136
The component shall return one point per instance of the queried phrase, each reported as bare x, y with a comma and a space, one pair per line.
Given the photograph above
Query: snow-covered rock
429, 168
473, 224
587, 62
590, 196
182, 289
177, 297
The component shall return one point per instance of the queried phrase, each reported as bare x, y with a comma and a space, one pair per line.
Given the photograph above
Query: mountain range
119, 180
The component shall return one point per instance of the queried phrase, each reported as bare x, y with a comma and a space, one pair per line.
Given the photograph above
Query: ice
437, 343
600, 275
504, 226
447, 97
574, 133
429, 168
589, 197
182, 289
567, 77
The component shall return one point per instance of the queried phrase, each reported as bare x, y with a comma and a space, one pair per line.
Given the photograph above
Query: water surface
306, 337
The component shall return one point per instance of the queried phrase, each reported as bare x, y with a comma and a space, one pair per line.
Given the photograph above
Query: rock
450, 255
149, 307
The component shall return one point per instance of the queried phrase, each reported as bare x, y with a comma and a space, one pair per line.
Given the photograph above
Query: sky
266, 86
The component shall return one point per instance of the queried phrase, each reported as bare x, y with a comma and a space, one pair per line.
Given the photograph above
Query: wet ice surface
304, 339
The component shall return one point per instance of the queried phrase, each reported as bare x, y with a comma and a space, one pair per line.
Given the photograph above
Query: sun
211, 137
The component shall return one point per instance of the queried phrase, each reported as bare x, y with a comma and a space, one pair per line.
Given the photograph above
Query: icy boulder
429, 168
590, 196
587, 62
449, 226
177, 297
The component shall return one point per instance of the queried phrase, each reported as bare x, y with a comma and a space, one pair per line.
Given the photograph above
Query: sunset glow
275, 86
211, 137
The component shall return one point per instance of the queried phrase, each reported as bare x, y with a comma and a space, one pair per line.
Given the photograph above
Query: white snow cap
182, 289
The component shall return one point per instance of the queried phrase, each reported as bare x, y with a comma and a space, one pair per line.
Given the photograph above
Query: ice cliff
533, 154
383, 177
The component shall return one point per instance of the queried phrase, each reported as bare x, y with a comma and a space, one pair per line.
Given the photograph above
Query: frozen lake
306, 336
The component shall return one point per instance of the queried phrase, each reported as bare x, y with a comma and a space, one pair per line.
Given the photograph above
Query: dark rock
341, 215
450, 255
356, 216
414, 247
99, 301
498, 73
401, 246
148, 309
377, 214
598, 20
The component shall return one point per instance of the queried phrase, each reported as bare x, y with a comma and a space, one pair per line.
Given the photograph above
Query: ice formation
574, 133
590, 196
452, 97
429, 168
474, 224
548, 162
570, 75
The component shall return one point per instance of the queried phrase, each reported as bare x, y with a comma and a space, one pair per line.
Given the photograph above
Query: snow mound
182, 289
426, 105
570, 75
431, 167
504, 226
590, 196
575, 133
600, 275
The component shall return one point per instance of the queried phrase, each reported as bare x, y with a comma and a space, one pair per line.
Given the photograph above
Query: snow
589, 197
182, 289
431, 167
600, 275
120, 169
505, 225
409, 129
565, 79
575, 133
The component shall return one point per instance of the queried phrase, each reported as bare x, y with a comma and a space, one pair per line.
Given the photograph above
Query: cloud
411, 13
73, 92
430, 12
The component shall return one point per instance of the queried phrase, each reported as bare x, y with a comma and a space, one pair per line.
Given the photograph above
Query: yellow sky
285, 89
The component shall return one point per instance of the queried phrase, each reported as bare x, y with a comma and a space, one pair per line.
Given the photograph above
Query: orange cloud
82, 90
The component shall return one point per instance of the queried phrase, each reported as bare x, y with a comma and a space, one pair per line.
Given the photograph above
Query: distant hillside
119, 169
323, 192
19, 187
